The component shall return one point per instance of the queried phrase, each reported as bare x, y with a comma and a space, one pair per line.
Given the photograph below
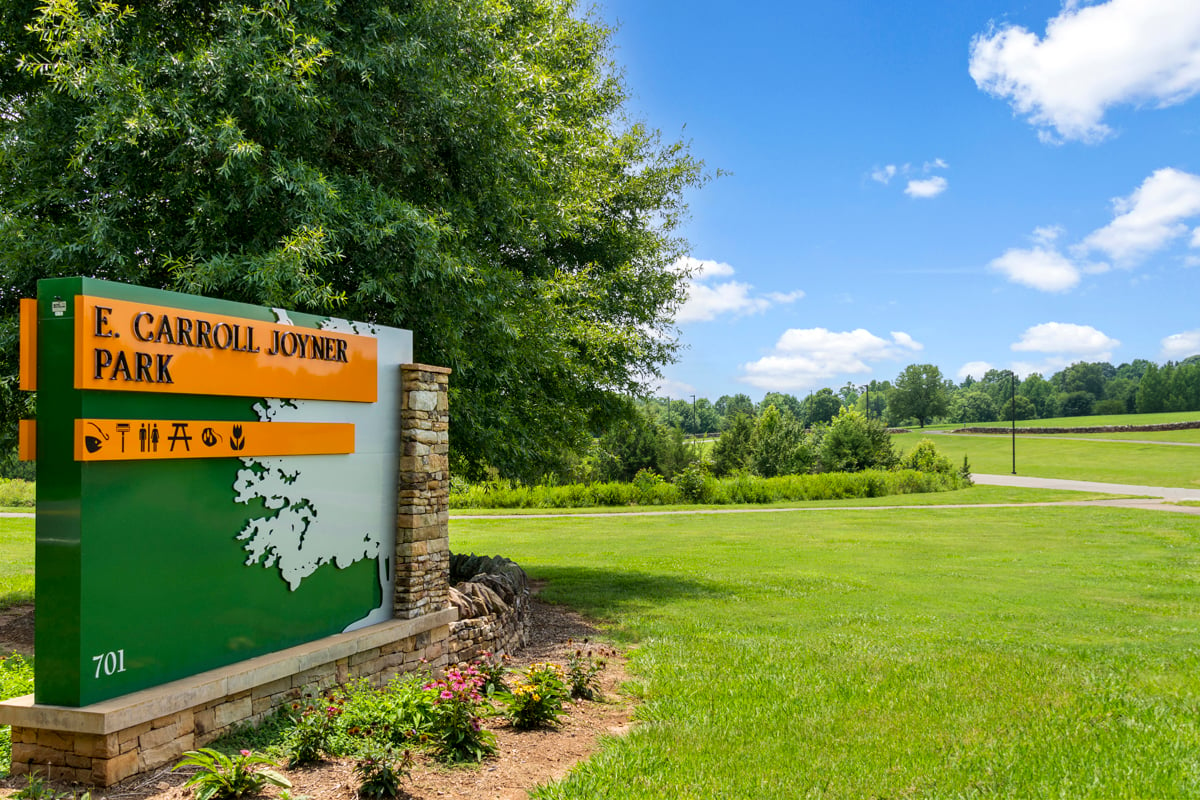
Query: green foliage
925, 457
312, 729
583, 669
36, 788
380, 770
464, 169
775, 448
492, 669
457, 732
694, 483
537, 696
919, 393
17, 493
16, 679
219, 776
738, 488
854, 443
972, 406
820, 407
732, 450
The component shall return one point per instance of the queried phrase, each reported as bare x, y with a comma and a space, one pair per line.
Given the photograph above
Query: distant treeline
920, 395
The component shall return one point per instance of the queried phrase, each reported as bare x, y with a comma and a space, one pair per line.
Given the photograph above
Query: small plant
380, 770
457, 730
492, 669
536, 699
965, 472
35, 788
582, 671
312, 726
220, 776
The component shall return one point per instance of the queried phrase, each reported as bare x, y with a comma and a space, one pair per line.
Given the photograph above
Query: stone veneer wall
107, 742
422, 538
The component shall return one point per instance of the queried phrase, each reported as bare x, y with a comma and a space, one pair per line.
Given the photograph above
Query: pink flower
244, 752
447, 694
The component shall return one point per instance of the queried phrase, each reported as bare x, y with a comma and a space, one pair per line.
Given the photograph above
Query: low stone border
109, 741
1161, 426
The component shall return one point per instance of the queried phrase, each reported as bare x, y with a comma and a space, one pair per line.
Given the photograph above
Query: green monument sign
215, 481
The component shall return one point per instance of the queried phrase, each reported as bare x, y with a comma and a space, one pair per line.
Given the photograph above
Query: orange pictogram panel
152, 439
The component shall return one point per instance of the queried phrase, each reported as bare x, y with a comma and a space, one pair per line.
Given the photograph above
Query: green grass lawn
1113, 462
16, 561
931, 653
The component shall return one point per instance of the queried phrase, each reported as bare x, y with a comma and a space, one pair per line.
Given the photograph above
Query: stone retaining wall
492, 599
1163, 426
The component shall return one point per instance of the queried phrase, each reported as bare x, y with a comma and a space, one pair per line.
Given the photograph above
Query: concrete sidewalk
1027, 482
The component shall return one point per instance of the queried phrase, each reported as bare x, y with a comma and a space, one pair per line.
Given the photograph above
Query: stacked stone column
423, 509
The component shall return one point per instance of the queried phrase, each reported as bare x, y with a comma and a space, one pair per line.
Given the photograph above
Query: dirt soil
525, 759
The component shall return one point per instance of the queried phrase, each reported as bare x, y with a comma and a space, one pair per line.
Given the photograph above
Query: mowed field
934, 653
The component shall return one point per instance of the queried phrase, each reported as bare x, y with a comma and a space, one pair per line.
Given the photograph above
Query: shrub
855, 443
693, 483
925, 457
312, 726
16, 492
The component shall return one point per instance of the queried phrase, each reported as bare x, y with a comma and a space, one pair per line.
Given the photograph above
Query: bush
925, 457
17, 492
855, 443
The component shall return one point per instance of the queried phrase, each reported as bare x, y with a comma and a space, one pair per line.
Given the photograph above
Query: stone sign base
107, 742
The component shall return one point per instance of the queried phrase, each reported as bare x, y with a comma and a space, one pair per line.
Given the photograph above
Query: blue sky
968, 184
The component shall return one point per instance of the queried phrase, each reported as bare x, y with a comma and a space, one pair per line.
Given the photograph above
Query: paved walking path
1164, 492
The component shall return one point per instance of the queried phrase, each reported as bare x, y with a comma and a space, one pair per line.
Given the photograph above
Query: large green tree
919, 392
462, 168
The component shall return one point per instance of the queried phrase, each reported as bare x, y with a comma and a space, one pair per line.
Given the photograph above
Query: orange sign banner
28, 368
158, 439
125, 346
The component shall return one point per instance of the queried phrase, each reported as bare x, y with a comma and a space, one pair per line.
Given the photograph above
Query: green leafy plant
583, 670
312, 727
221, 776
457, 730
536, 698
36, 788
380, 770
492, 669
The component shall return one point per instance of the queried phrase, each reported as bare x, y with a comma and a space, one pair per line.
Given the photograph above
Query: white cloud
974, 369
904, 340
937, 163
707, 301
809, 357
1048, 234
1066, 338
1181, 345
1040, 268
884, 175
1154, 215
1149, 218
927, 187
1093, 57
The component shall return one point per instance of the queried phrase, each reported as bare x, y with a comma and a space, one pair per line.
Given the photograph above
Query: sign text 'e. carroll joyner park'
216, 481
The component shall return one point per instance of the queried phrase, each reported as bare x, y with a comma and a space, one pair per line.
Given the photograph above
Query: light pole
1012, 382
